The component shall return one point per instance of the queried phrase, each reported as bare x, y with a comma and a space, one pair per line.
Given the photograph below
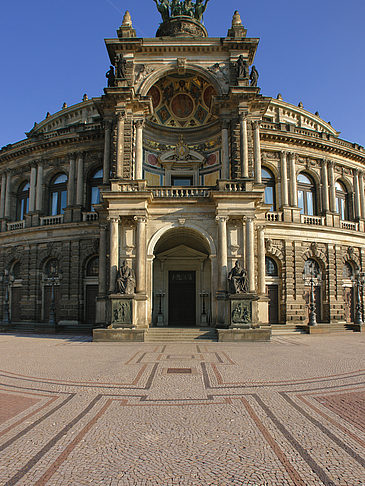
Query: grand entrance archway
181, 280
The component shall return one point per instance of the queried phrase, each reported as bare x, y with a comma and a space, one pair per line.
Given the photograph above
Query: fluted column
71, 182
362, 194
222, 252
7, 195
257, 152
325, 192
250, 253
293, 181
113, 251
284, 179
332, 188
39, 190
32, 187
2, 195
80, 180
139, 149
141, 257
244, 146
106, 159
261, 259
225, 150
357, 195
102, 260
120, 144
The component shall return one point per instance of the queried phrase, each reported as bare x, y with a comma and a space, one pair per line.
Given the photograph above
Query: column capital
225, 123
222, 219
249, 219
72, 155
256, 124
356, 172
140, 219
261, 227
243, 115
107, 124
32, 164
330, 163
139, 123
284, 153
103, 226
113, 219
120, 115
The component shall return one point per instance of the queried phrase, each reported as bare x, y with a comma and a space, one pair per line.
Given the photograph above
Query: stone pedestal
243, 311
121, 311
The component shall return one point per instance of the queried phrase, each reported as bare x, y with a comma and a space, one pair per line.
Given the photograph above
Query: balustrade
49, 220
314, 220
16, 225
90, 216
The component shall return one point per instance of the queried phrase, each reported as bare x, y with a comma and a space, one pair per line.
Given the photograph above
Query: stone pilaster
222, 253
2, 195
284, 179
113, 251
293, 181
325, 192
102, 261
225, 149
32, 188
141, 257
106, 157
39, 188
250, 253
244, 146
362, 194
120, 145
261, 259
257, 152
7, 195
80, 180
357, 204
139, 149
332, 189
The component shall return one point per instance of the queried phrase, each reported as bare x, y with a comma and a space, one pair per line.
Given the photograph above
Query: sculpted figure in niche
164, 8
126, 280
111, 77
237, 277
121, 65
242, 68
254, 76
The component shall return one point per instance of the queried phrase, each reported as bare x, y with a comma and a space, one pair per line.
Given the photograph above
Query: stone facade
179, 169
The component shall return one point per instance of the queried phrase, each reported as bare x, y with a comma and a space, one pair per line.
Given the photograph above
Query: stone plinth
118, 335
242, 313
181, 26
244, 335
121, 311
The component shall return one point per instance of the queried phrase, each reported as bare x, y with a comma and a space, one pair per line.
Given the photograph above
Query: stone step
180, 335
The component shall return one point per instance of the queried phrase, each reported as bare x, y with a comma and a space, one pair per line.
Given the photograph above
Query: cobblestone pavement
289, 412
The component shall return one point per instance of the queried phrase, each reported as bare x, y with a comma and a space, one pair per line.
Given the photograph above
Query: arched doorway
181, 279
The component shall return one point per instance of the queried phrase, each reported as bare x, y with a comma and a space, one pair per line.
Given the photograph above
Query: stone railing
274, 217
49, 220
350, 225
16, 225
90, 216
229, 186
178, 192
315, 220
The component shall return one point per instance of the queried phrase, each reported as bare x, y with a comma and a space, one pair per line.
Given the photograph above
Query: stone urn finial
127, 19
236, 20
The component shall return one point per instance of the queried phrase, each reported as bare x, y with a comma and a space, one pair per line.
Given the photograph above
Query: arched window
15, 270
52, 268
22, 206
306, 194
269, 180
271, 268
92, 267
95, 181
347, 270
311, 268
342, 206
58, 194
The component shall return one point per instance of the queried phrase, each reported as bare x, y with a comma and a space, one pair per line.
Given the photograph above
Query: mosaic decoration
182, 101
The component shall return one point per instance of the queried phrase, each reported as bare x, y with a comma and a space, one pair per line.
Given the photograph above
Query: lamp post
203, 295
358, 280
160, 321
312, 279
6, 281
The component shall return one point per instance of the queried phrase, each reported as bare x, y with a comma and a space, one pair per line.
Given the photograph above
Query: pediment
182, 252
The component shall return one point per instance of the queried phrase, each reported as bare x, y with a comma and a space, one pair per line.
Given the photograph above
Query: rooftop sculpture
177, 8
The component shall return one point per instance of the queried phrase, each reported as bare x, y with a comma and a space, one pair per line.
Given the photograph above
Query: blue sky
310, 51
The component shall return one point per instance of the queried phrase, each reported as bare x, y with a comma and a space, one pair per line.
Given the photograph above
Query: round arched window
58, 194
271, 268
311, 268
347, 270
92, 267
52, 268
306, 194
342, 200
269, 180
22, 206
95, 181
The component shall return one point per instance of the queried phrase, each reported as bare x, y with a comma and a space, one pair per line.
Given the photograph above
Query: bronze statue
237, 278
126, 280
121, 65
164, 8
176, 8
111, 77
200, 8
242, 68
188, 8
254, 76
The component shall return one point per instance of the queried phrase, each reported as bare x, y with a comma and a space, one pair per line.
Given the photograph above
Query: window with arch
311, 267
52, 268
342, 200
271, 268
22, 206
269, 180
306, 194
95, 181
92, 267
15, 270
347, 270
58, 194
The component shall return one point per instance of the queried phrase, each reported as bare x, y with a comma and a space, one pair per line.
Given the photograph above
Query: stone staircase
180, 334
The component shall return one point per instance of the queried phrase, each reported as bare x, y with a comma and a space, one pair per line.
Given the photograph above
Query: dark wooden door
16, 295
273, 294
181, 298
90, 311
48, 301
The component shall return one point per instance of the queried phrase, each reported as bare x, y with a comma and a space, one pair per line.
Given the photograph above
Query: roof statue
177, 8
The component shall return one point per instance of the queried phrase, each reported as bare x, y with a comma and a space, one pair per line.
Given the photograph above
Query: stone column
80, 180
257, 152
332, 188
325, 192
222, 253
113, 251
7, 195
120, 145
284, 179
71, 182
102, 260
244, 146
357, 195
141, 259
225, 150
2, 195
261, 259
293, 181
362, 194
139, 149
250, 253
106, 159
39, 197
32, 188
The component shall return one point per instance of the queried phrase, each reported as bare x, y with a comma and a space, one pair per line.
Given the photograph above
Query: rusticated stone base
243, 335
118, 335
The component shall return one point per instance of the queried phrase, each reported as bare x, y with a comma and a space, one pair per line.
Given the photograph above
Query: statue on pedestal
254, 76
111, 77
238, 281
126, 280
121, 65
242, 68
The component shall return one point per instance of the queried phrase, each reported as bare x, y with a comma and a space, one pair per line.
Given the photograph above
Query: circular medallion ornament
182, 106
